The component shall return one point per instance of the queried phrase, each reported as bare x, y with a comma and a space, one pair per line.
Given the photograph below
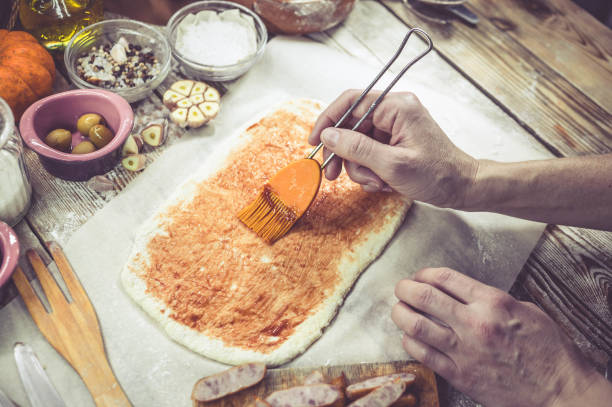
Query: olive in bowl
63, 110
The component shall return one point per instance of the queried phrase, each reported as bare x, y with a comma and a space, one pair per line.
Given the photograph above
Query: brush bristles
268, 216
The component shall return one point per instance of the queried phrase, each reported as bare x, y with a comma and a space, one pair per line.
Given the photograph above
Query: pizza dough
218, 289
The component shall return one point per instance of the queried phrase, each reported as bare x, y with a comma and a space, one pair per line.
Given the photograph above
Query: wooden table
546, 63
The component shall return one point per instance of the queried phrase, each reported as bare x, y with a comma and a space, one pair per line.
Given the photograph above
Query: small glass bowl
215, 72
109, 32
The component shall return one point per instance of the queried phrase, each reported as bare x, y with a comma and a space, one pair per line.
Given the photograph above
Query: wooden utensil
71, 327
425, 387
289, 193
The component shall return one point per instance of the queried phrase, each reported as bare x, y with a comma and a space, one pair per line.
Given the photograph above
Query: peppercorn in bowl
127, 57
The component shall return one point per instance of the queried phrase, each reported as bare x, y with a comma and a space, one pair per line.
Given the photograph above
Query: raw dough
218, 289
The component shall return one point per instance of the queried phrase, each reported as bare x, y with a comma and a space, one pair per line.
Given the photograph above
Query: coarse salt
217, 39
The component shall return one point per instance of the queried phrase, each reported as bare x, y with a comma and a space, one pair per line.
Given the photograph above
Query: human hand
398, 147
500, 351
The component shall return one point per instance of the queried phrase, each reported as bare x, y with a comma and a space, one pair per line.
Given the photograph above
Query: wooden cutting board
276, 379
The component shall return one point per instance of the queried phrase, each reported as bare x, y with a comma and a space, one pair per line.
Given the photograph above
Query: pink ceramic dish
9, 252
62, 111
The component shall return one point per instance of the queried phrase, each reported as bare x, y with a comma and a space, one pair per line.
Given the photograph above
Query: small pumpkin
27, 70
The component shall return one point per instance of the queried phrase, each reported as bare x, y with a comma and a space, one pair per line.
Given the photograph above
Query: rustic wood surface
277, 379
546, 63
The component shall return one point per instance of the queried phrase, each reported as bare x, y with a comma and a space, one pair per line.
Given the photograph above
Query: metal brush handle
373, 106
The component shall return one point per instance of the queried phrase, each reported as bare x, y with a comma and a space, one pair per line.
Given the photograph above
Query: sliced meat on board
315, 395
228, 382
384, 396
360, 389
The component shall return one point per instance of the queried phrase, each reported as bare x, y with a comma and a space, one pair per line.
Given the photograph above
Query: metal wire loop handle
373, 106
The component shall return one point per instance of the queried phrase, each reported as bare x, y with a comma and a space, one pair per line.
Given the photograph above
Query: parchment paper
153, 369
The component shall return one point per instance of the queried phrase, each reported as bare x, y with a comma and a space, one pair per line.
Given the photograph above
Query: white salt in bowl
208, 70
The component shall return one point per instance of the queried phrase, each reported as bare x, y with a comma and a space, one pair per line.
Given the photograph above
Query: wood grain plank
425, 387
556, 112
569, 275
561, 34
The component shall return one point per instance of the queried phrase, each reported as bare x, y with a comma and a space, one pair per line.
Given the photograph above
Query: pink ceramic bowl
62, 111
9, 252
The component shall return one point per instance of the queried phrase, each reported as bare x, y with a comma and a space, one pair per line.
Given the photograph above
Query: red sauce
219, 278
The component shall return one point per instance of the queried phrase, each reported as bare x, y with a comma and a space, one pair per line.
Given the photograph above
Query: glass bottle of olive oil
54, 22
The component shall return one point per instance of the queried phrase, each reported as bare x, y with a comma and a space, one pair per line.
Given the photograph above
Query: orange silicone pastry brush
290, 192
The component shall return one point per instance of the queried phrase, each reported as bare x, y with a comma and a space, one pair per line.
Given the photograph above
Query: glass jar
54, 22
15, 188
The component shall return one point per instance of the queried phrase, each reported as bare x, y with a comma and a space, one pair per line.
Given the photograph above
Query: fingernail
330, 137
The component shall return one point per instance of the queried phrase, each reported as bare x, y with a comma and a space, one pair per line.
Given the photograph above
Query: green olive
87, 121
100, 135
84, 147
60, 139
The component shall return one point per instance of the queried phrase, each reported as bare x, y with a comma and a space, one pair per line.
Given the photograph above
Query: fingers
454, 283
334, 168
430, 357
358, 148
423, 329
369, 181
336, 110
428, 299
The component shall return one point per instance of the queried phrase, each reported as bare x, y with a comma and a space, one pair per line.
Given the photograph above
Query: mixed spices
122, 65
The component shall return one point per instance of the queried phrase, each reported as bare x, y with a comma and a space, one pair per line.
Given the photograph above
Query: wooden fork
72, 328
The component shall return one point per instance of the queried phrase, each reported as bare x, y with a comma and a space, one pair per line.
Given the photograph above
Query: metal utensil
38, 387
424, 36
440, 11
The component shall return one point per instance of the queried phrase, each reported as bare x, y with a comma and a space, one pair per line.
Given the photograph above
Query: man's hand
498, 350
398, 147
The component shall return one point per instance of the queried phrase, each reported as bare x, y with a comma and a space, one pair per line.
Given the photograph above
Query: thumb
356, 147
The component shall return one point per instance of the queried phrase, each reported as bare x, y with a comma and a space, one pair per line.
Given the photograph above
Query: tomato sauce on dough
218, 277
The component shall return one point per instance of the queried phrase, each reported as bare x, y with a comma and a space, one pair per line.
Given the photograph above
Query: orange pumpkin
26, 70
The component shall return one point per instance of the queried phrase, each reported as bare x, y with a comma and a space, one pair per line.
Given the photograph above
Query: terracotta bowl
62, 111
9, 252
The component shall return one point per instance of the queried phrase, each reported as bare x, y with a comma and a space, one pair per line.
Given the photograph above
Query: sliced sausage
315, 377
407, 400
314, 395
384, 396
360, 389
228, 382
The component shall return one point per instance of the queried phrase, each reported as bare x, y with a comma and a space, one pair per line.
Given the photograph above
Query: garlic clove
210, 109
186, 103
117, 52
100, 183
135, 162
196, 99
124, 43
179, 116
132, 145
196, 118
212, 95
183, 87
154, 135
198, 88
171, 98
